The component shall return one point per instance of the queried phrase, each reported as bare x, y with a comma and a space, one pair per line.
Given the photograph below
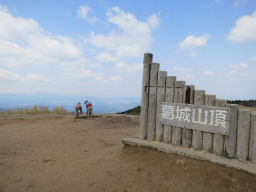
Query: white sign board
196, 117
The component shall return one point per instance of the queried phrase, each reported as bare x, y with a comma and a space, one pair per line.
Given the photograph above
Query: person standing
89, 108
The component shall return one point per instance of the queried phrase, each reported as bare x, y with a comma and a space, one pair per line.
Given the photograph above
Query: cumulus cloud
84, 12
191, 42
131, 39
209, 73
23, 42
244, 29
153, 21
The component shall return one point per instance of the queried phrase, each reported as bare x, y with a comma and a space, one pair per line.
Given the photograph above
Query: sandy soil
62, 154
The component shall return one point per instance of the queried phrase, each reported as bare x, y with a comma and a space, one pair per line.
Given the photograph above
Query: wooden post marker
178, 98
152, 101
218, 140
169, 97
208, 137
230, 139
243, 134
188, 98
197, 138
160, 98
148, 57
252, 149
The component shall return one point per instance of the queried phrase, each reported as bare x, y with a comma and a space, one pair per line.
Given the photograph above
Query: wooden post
230, 139
188, 97
145, 95
169, 97
218, 140
243, 134
252, 148
197, 137
160, 98
178, 98
152, 101
208, 137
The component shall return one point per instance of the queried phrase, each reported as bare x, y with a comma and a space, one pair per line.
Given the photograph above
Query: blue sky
96, 47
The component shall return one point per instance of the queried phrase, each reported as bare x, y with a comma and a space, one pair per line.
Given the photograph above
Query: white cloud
244, 30
183, 73
26, 46
182, 69
130, 40
128, 68
241, 65
191, 42
10, 76
253, 58
23, 43
84, 11
236, 75
153, 21
116, 78
106, 57
209, 73
36, 77
244, 65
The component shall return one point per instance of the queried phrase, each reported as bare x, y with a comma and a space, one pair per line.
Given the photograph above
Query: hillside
133, 111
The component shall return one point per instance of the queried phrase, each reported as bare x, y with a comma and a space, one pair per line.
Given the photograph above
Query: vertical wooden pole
243, 134
169, 97
148, 57
218, 140
252, 148
188, 97
178, 98
197, 137
208, 137
152, 101
160, 98
230, 139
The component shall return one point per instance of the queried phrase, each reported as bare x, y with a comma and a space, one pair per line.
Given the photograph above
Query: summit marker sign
196, 117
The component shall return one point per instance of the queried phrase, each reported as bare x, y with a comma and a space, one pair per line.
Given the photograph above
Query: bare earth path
49, 154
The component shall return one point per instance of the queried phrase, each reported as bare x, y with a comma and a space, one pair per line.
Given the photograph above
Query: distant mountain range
100, 104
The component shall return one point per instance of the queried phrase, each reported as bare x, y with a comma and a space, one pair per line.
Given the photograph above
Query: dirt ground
44, 153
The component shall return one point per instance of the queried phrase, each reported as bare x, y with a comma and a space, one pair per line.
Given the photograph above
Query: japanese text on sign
205, 118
